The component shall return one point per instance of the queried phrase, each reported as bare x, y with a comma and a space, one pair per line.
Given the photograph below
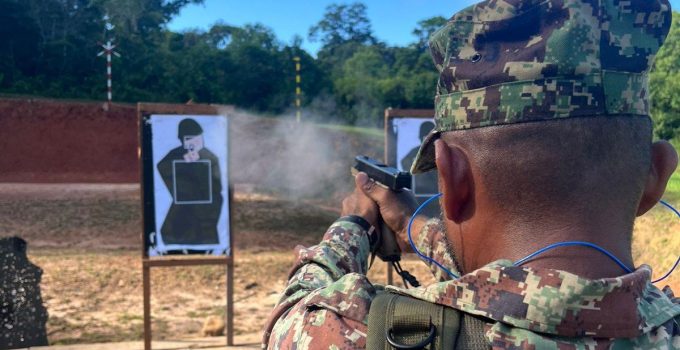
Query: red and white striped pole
108, 51
108, 76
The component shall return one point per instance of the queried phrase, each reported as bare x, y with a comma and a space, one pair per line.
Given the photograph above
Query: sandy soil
86, 238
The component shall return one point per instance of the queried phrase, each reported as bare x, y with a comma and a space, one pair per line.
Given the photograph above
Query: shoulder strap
472, 334
400, 322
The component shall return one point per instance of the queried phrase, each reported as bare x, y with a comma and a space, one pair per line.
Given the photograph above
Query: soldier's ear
455, 180
664, 163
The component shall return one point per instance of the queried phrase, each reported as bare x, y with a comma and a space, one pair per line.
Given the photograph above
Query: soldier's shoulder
332, 316
349, 297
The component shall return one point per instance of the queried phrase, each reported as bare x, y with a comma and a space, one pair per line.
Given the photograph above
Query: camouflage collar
556, 302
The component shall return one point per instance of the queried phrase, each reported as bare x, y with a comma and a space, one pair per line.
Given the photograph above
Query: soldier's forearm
344, 249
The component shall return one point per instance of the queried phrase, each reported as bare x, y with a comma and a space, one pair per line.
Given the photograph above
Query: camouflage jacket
327, 300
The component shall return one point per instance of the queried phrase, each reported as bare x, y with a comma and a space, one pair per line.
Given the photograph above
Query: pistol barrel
389, 176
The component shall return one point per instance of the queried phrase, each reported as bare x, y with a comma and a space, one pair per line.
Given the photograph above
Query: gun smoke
295, 160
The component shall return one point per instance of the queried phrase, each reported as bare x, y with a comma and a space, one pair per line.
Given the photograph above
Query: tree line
48, 48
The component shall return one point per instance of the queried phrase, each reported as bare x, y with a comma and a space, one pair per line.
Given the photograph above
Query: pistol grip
388, 250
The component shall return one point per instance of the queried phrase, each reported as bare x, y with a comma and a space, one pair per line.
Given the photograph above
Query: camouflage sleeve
432, 242
327, 287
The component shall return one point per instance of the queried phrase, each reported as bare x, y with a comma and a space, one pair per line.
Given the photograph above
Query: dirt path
86, 239
97, 297
212, 343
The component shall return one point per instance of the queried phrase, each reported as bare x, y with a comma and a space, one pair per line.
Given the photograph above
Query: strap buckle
430, 338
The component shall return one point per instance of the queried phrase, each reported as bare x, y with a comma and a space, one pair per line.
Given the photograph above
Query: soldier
542, 136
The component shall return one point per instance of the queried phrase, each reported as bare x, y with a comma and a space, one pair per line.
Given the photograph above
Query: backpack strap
472, 333
400, 322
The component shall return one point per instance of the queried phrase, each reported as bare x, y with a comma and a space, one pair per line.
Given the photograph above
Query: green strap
407, 321
412, 320
472, 334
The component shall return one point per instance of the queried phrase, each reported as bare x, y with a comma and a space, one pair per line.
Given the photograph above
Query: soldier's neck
515, 243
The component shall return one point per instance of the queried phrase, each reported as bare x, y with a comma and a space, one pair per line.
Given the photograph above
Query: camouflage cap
513, 61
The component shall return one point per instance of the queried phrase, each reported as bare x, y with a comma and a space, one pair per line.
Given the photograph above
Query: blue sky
393, 20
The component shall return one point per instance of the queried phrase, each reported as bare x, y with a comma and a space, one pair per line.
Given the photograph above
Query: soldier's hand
359, 204
396, 208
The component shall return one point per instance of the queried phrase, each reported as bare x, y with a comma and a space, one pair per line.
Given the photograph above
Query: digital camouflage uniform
504, 62
326, 302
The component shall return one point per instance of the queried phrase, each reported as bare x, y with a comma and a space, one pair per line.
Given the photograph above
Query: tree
143, 15
343, 23
665, 85
49, 49
19, 35
425, 29
343, 30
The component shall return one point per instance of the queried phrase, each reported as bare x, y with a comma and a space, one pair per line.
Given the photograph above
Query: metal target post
298, 90
108, 51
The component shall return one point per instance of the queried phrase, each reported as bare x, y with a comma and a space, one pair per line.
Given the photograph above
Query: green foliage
343, 30
367, 76
375, 134
665, 85
426, 28
50, 46
673, 188
343, 23
49, 49
376, 77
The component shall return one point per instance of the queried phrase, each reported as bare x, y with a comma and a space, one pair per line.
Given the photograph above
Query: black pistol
387, 248
395, 180
387, 176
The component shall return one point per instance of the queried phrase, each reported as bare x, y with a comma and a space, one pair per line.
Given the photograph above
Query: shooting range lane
86, 238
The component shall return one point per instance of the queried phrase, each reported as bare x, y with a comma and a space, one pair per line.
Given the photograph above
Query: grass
58, 99
375, 133
128, 318
673, 189
655, 241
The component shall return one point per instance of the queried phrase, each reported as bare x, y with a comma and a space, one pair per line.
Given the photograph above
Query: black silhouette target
187, 211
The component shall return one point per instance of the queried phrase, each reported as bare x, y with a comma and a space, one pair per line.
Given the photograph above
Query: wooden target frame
145, 110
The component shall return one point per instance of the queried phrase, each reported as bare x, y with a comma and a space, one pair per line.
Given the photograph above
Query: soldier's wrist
371, 232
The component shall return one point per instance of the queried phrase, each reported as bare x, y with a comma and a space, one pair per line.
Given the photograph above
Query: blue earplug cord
413, 245
538, 252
